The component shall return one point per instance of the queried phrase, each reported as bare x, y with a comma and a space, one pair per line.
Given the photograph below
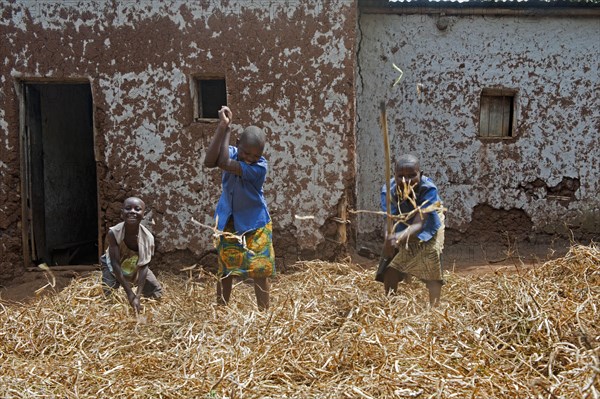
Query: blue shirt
243, 197
425, 191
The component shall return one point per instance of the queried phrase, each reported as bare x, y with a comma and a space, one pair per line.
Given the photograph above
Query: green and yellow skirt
257, 260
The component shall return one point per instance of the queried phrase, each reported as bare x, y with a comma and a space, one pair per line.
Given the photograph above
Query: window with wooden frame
497, 113
209, 95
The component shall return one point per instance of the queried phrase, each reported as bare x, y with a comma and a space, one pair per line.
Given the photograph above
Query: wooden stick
383, 262
343, 212
67, 268
218, 233
388, 178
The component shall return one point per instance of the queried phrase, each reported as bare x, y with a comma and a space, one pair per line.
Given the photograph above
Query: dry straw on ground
330, 333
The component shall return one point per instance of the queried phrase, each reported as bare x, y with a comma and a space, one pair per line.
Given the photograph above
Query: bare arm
224, 161
217, 154
414, 228
115, 261
220, 140
216, 145
394, 240
141, 279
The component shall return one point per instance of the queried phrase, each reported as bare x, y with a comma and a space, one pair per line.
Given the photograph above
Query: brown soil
24, 288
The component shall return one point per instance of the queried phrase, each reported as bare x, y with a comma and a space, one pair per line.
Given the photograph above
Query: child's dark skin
217, 155
409, 174
132, 214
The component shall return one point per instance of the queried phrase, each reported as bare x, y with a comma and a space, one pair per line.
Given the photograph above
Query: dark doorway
60, 171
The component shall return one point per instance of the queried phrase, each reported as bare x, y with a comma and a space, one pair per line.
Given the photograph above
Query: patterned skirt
257, 261
421, 259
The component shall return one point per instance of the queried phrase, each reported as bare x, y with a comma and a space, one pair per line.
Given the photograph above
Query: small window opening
210, 94
497, 111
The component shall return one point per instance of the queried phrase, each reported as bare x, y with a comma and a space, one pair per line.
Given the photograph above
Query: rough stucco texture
289, 67
434, 113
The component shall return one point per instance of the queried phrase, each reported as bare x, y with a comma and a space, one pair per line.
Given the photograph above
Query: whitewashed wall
554, 65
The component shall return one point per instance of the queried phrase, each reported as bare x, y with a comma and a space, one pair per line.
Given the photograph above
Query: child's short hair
253, 136
408, 159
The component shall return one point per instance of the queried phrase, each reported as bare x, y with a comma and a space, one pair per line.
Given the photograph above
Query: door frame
25, 162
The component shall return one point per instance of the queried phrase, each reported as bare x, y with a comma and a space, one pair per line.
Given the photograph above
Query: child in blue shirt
242, 210
414, 248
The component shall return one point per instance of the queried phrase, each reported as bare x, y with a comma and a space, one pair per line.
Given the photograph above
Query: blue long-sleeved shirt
243, 197
426, 190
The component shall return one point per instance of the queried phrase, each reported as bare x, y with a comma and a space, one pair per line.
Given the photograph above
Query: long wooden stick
383, 262
388, 177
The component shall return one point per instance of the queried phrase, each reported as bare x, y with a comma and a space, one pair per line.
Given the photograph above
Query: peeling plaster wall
10, 205
289, 66
552, 62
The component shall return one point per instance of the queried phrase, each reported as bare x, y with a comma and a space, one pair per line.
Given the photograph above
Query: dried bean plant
330, 333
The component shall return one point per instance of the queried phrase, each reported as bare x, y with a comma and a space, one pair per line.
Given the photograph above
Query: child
425, 235
130, 248
242, 210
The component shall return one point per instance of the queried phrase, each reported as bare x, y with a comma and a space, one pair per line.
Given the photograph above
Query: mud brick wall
288, 65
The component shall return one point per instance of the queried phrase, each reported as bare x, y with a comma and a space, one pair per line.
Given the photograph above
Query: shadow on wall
496, 232
563, 192
491, 225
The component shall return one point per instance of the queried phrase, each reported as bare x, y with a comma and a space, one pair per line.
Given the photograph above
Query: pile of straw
330, 333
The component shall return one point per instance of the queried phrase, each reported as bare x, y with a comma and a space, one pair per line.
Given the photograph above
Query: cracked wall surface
434, 113
289, 67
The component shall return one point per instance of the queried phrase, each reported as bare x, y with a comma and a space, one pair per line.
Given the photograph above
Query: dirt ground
461, 259
24, 287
